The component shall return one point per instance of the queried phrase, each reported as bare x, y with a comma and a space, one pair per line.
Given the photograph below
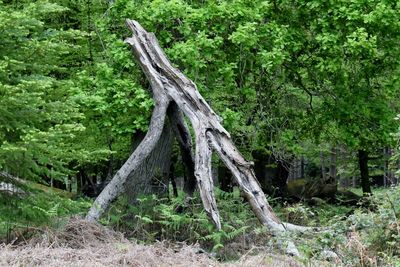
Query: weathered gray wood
116, 185
171, 87
207, 127
11, 178
204, 176
244, 176
11, 184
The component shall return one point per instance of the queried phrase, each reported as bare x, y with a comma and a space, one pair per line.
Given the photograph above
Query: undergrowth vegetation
366, 236
21, 215
362, 236
169, 219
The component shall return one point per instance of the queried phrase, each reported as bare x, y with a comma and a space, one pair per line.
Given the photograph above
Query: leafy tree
281, 73
39, 113
349, 62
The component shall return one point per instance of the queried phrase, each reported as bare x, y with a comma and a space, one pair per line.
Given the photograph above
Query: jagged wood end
170, 84
153, 61
203, 174
185, 94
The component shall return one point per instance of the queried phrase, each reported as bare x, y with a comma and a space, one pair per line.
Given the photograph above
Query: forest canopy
288, 78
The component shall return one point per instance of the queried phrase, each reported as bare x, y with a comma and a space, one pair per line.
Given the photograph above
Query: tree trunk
281, 178
152, 176
389, 177
323, 173
332, 165
117, 184
364, 172
224, 178
385, 167
168, 86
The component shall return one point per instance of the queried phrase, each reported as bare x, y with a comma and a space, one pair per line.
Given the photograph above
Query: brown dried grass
80, 243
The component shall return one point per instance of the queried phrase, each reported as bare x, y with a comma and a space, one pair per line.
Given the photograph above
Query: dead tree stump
170, 88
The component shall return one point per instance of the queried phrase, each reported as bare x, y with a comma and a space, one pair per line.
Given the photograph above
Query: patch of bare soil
80, 243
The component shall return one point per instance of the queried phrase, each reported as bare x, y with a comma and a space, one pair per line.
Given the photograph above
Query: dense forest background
309, 91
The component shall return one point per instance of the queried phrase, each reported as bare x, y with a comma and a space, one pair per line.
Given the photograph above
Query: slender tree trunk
298, 168
302, 165
282, 177
385, 167
323, 174
389, 178
332, 165
364, 172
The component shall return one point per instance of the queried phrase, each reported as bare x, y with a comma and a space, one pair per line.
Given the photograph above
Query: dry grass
83, 244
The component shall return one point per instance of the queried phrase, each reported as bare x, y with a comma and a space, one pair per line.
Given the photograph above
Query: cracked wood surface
207, 127
170, 87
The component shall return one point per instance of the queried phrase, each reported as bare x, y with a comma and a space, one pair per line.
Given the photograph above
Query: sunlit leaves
39, 115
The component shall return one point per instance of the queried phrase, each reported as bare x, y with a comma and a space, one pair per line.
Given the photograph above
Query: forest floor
117, 254
83, 244
46, 230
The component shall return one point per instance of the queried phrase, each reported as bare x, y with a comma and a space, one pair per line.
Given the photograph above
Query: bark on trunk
385, 167
282, 178
364, 173
169, 85
117, 184
152, 176
389, 174
332, 166
323, 173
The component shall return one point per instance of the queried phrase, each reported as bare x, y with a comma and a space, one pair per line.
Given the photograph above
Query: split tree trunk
170, 87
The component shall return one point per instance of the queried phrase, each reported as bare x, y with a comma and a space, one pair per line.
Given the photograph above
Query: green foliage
166, 219
287, 77
367, 237
284, 73
281, 74
39, 114
21, 212
69, 95
357, 235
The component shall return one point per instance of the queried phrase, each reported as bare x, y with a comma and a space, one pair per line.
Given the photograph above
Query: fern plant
168, 219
